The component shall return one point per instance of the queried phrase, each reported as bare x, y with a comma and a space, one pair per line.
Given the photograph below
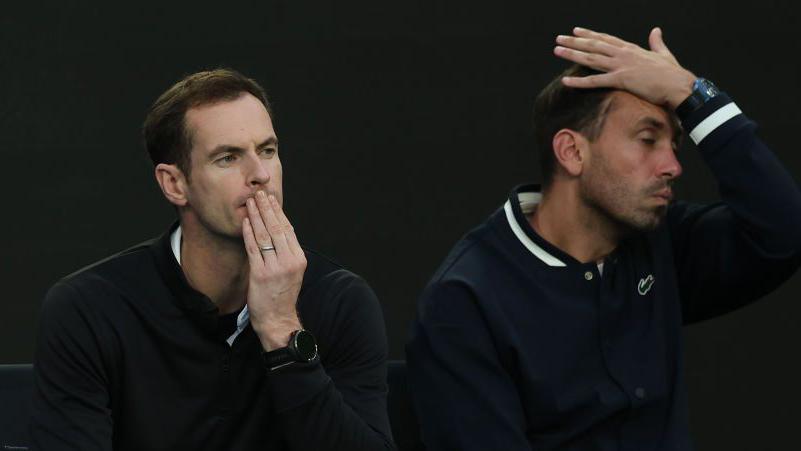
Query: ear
173, 183
569, 149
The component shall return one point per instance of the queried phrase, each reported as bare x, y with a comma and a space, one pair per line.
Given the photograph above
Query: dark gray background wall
402, 125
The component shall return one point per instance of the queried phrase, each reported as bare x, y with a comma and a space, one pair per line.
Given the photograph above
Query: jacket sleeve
464, 398
71, 403
733, 252
339, 401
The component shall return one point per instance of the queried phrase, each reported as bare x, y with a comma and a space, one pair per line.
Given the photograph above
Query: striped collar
526, 199
521, 203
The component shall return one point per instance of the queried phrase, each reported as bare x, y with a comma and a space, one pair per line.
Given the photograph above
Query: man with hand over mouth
224, 333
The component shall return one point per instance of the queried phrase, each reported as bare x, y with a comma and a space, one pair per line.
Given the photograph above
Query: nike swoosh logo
645, 285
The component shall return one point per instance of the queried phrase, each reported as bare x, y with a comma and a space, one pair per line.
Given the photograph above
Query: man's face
631, 164
234, 154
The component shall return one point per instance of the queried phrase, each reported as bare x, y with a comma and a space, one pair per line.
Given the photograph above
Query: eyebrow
652, 122
223, 148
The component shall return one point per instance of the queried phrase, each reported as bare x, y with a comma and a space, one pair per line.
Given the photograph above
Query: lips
666, 194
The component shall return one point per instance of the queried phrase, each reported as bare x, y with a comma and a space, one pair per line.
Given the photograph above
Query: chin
229, 231
234, 236
650, 221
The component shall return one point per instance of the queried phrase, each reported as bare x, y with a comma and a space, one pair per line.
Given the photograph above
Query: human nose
257, 173
671, 168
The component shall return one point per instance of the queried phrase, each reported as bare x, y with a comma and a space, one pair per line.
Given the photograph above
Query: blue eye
225, 160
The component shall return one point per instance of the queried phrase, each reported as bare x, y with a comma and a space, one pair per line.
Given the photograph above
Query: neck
214, 265
563, 219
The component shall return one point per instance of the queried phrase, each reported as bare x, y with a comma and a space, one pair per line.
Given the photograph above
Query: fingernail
260, 194
272, 199
578, 29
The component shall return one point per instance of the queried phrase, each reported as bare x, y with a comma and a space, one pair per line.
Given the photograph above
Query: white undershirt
244, 316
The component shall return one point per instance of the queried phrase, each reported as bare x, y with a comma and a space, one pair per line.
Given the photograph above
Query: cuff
295, 384
717, 115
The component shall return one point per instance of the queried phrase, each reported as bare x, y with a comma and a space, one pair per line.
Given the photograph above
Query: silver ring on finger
266, 248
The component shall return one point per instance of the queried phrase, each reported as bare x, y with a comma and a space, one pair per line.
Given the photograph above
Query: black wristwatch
703, 91
302, 348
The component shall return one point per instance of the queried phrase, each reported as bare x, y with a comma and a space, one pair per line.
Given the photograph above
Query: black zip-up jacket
130, 357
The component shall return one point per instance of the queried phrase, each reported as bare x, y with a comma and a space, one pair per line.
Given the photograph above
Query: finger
608, 38
251, 246
289, 231
657, 44
260, 233
587, 45
591, 60
592, 81
274, 227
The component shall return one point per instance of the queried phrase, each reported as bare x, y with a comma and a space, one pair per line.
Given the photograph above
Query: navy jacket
518, 346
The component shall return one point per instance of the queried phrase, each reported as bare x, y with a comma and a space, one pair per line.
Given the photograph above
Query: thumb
656, 42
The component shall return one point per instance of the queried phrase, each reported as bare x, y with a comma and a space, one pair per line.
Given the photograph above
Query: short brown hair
558, 106
166, 137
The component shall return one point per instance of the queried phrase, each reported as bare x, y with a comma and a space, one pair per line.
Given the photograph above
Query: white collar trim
175, 244
244, 316
528, 201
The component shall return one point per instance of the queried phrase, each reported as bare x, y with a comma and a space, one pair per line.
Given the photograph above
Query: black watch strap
703, 91
277, 358
302, 348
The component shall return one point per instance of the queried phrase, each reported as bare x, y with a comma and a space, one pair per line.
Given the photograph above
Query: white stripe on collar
244, 316
175, 244
527, 203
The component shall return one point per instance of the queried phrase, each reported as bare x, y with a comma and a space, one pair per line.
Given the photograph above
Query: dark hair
166, 137
558, 107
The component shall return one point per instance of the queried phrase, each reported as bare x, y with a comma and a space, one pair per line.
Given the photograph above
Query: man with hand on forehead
223, 333
556, 324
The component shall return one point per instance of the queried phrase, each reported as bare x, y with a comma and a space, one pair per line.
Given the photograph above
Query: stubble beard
612, 199
221, 229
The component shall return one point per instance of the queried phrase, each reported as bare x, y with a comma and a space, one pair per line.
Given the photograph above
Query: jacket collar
197, 306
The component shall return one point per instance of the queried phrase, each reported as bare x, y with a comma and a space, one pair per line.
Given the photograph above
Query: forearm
753, 183
315, 415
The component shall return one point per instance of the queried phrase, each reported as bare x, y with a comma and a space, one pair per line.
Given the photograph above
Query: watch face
711, 90
306, 345
706, 89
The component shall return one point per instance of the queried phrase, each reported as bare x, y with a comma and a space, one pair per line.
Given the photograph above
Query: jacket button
588, 275
639, 392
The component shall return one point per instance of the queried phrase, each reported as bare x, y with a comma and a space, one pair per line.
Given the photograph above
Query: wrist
302, 348
703, 91
274, 333
683, 89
